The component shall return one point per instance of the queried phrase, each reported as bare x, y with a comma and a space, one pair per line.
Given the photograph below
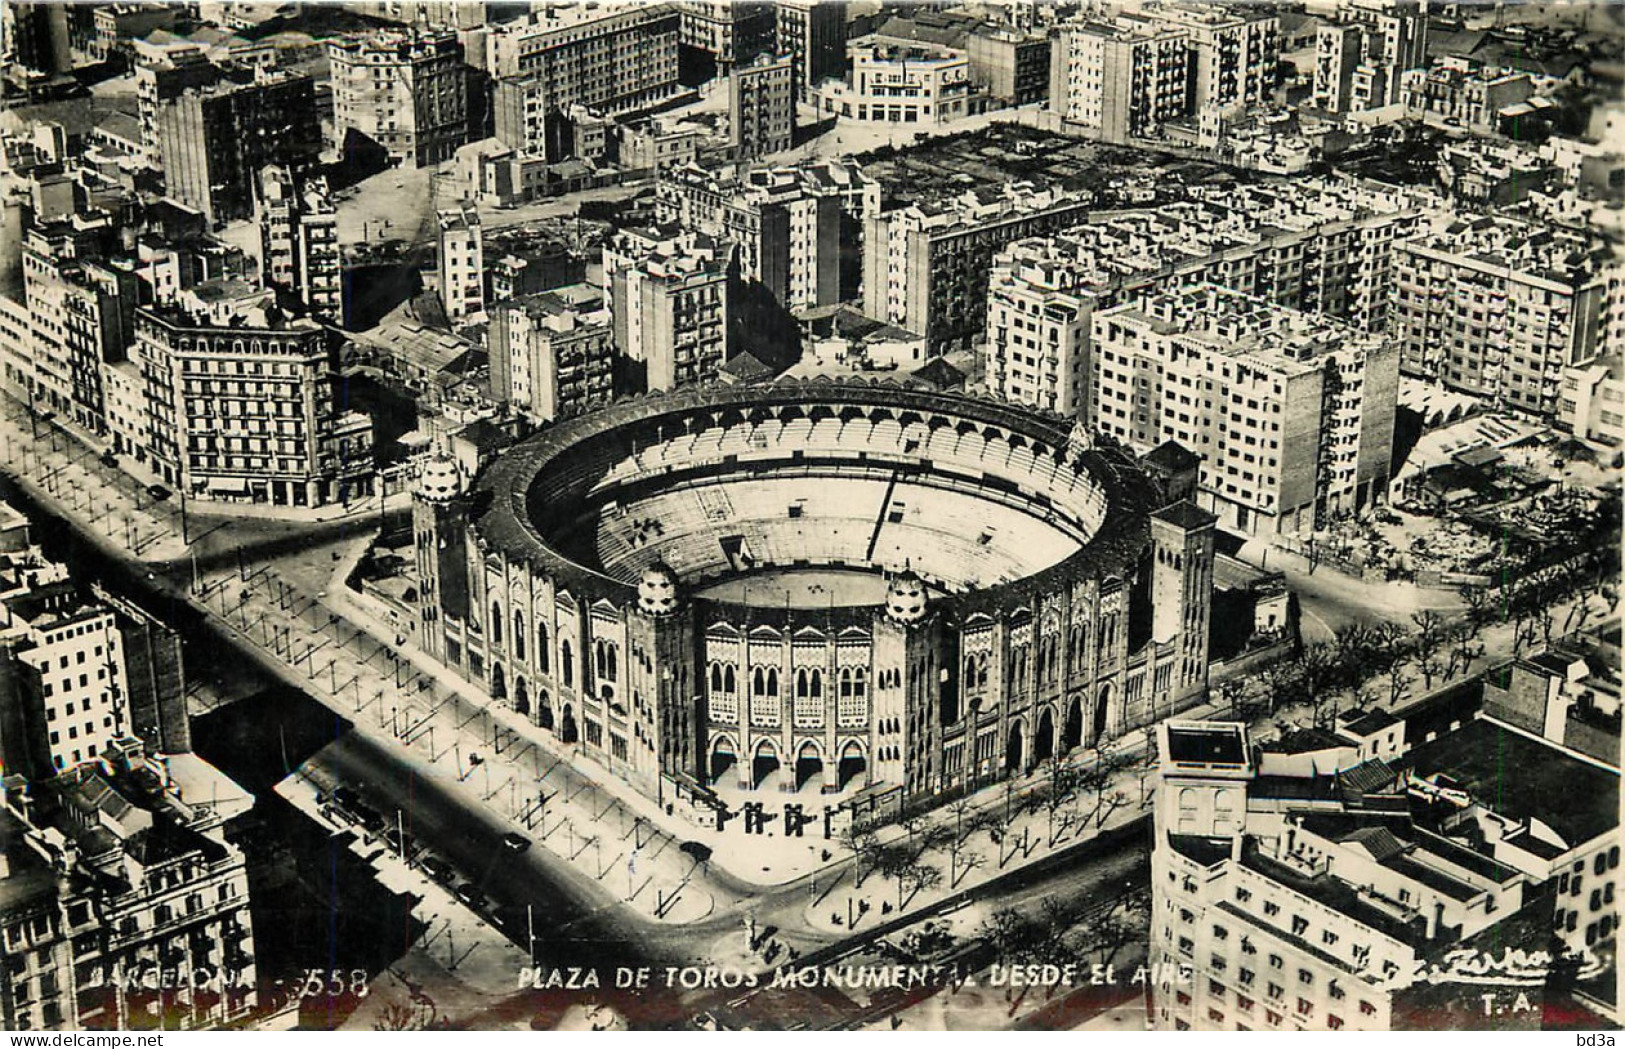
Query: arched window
728, 678
846, 682
970, 670
612, 661
857, 681
772, 681
716, 677
801, 683
518, 634
542, 654
566, 664
496, 622
758, 683
816, 683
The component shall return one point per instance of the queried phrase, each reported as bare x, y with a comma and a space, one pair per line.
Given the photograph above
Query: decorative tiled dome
905, 597
657, 590
439, 480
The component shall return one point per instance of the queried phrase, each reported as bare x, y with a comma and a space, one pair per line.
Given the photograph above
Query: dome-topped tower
657, 590
905, 597
440, 480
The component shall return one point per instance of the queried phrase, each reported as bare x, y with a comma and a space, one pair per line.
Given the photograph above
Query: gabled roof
1378, 841
938, 373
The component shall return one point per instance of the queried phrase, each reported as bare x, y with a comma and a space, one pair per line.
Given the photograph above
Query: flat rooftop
1523, 778
1207, 745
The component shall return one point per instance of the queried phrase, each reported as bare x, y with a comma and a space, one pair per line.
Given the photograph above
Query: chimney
1435, 918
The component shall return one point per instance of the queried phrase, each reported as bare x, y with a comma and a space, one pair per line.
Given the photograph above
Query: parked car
470, 894
438, 869
515, 842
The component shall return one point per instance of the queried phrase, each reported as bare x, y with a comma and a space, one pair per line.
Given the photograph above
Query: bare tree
1108, 805
1430, 631
1231, 694
1316, 666
863, 845
1479, 604
911, 824
963, 865
916, 878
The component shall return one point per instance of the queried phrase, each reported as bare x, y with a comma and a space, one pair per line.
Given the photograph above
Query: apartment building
1591, 400
240, 402
1335, 879
65, 693
1498, 307
1292, 414
1234, 51
553, 355
729, 32
787, 225
612, 58
1463, 93
405, 90
1322, 246
1010, 67
299, 241
123, 905
1122, 79
461, 262
1362, 54
161, 76
813, 33
762, 107
211, 141
81, 315
900, 83
926, 264
669, 296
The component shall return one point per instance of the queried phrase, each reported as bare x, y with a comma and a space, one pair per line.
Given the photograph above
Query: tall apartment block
1499, 307
1321, 246
669, 296
813, 33
212, 141
1362, 55
1234, 51
163, 77
612, 59
762, 107
926, 265
787, 225
462, 262
1120, 79
62, 684
81, 316
299, 242
407, 91
1292, 414
240, 402
553, 354
729, 32
1338, 879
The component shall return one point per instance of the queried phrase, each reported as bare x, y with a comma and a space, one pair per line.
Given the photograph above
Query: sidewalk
483, 762
70, 468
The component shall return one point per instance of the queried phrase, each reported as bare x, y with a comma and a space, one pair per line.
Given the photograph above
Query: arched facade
942, 687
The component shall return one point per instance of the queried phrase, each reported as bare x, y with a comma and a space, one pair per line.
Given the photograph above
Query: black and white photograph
810, 515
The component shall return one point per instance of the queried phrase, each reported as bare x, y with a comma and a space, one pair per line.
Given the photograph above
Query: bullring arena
871, 595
